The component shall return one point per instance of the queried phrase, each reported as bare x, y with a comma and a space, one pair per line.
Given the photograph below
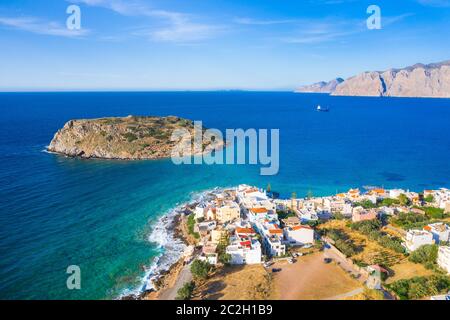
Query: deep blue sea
57, 211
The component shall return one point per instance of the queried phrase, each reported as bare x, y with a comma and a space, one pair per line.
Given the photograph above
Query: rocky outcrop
321, 87
428, 81
132, 137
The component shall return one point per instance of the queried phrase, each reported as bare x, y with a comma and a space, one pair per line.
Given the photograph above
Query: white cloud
39, 26
176, 26
250, 21
435, 3
329, 30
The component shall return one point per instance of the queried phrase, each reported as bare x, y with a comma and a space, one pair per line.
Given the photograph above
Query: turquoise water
56, 211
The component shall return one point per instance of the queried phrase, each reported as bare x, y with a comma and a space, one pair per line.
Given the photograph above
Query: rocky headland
419, 80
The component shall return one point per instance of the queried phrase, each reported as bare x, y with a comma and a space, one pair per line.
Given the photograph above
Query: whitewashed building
443, 259
298, 235
245, 248
440, 231
417, 238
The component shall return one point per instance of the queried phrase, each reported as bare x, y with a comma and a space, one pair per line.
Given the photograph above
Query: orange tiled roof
245, 230
276, 231
379, 191
301, 227
428, 228
258, 210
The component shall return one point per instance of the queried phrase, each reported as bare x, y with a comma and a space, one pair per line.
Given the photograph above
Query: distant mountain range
419, 80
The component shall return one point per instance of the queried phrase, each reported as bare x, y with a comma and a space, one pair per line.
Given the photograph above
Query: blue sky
212, 44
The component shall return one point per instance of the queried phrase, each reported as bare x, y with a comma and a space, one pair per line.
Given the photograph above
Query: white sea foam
172, 248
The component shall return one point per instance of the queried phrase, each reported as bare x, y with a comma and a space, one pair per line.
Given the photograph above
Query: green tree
426, 254
185, 292
429, 198
224, 257
200, 269
433, 212
293, 197
387, 202
403, 199
366, 204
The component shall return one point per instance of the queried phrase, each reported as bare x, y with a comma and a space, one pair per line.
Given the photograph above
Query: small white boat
320, 109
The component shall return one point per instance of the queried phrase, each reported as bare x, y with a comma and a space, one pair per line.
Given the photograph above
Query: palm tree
293, 197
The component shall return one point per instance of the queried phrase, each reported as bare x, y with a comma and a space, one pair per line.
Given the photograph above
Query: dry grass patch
407, 270
312, 279
247, 282
372, 252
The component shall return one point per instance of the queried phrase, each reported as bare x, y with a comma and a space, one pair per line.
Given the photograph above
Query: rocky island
419, 80
126, 138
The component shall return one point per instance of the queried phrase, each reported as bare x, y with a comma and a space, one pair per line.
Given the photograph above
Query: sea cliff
419, 80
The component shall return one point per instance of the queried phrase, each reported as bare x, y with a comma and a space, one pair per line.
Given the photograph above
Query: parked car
267, 264
291, 261
327, 260
307, 246
274, 270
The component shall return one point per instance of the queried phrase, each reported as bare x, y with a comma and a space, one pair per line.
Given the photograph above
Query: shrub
387, 202
185, 292
200, 269
190, 225
433, 213
372, 230
130, 136
366, 204
419, 287
338, 216
426, 254
284, 214
342, 242
224, 257
410, 220
403, 200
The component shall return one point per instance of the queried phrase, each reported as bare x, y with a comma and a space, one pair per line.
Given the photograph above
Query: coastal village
370, 244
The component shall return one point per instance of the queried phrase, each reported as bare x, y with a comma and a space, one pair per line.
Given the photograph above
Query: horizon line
141, 90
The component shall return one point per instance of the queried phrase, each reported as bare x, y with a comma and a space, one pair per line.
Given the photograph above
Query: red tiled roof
246, 243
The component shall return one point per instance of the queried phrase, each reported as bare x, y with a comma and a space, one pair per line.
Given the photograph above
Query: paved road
184, 276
